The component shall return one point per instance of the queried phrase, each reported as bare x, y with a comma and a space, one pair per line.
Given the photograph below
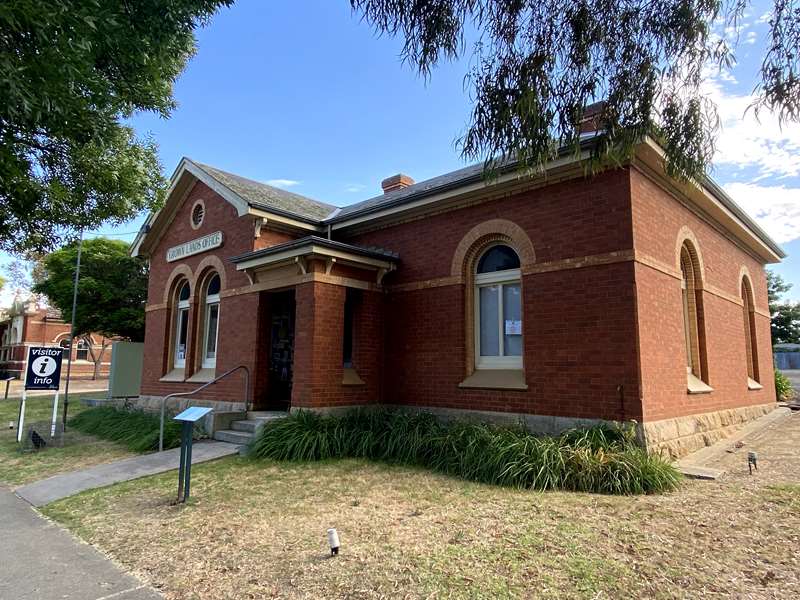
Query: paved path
41, 561
703, 463
68, 484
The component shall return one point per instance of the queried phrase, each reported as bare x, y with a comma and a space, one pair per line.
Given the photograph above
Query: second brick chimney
396, 182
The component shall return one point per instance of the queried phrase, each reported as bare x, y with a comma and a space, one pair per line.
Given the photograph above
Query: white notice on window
513, 327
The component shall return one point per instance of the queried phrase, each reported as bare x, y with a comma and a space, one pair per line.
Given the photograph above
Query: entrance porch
320, 325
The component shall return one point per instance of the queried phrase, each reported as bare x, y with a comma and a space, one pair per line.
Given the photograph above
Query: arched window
498, 310
82, 353
211, 322
692, 313
64, 345
748, 310
181, 325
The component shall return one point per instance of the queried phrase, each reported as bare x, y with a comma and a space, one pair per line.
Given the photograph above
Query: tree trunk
96, 358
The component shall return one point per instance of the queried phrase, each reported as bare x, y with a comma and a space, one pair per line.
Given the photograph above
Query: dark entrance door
281, 351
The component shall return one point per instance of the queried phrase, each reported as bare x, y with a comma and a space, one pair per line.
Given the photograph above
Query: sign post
42, 372
187, 418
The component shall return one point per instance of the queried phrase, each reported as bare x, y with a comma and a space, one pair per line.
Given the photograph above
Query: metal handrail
202, 387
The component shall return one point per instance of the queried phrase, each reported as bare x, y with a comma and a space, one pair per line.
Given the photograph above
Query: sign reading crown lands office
44, 368
197, 246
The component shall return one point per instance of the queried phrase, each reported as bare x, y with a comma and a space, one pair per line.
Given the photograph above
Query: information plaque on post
42, 372
188, 418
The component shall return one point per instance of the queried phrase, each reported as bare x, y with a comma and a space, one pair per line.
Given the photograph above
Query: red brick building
30, 322
558, 298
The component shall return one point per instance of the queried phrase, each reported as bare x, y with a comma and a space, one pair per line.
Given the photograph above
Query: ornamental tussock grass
136, 430
599, 459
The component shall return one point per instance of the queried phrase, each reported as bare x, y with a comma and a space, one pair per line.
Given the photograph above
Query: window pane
489, 330
512, 315
184, 293
213, 286
183, 322
347, 338
498, 258
211, 334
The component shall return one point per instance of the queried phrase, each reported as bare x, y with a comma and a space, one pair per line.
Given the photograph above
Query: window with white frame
181, 326
498, 310
82, 353
64, 345
211, 323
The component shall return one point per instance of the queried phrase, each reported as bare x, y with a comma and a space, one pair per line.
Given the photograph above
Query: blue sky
303, 95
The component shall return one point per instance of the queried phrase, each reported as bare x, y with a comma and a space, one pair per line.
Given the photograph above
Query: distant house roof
265, 196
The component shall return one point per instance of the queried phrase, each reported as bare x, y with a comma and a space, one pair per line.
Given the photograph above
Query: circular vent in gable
198, 212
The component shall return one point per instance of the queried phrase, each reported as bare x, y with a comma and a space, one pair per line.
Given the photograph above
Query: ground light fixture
333, 541
752, 461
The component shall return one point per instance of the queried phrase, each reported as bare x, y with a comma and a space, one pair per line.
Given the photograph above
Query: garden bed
598, 459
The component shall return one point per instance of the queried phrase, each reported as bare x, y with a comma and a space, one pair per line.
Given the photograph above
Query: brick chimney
396, 182
590, 121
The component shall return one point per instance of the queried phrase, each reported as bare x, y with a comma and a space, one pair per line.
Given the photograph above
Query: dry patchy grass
257, 530
80, 451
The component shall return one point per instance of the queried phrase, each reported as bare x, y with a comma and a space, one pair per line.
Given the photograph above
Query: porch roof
313, 246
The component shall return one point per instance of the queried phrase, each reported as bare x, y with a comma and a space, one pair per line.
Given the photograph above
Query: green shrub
597, 459
136, 430
783, 387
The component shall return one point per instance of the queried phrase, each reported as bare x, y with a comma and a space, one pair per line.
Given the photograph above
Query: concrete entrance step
248, 426
241, 438
243, 432
266, 414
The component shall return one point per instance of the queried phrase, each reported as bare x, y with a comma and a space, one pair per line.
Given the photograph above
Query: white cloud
749, 142
282, 183
775, 208
354, 187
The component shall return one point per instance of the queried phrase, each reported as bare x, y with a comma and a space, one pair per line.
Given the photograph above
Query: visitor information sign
43, 372
44, 368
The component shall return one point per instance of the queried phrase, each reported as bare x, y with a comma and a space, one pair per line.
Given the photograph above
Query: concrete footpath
702, 464
41, 561
61, 486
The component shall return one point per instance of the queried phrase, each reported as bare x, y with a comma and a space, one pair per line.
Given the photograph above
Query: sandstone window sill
695, 385
176, 375
752, 384
202, 376
495, 379
351, 378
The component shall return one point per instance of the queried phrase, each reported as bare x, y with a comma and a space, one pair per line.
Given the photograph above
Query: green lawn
81, 451
256, 529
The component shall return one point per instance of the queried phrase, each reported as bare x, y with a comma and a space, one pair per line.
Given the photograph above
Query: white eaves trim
186, 166
704, 198
313, 250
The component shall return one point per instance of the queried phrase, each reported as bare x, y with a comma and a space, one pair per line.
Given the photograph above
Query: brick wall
603, 334
239, 315
318, 364
579, 326
658, 219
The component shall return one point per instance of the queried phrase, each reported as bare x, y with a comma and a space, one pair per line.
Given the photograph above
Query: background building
30, 322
